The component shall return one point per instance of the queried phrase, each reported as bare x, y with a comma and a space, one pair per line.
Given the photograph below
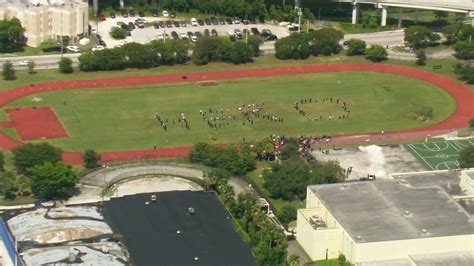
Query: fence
8, 242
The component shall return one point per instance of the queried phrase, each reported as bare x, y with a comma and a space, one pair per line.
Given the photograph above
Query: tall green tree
32, 154
52, 180
91, 158
420, 36
8, 72
11, 35
466, 157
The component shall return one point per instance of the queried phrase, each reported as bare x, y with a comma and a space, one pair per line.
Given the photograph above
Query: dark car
125, 14
112, 15
120, 23
245, 21
221, 21
183, 24
252, 21
101, 42
200, 22
228, 20
198, 34
213, 32
161, 23
132, 13
293, 28
141, 14
207, 21
98, 37
190, 34
156, 25
154, 13
254, 31
173, 15
214, 21
174, 35
266, 32
206, 32
176, 24
168, 24
128, 33
271, 37
131, 25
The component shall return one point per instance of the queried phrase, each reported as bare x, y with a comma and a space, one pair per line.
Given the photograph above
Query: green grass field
439, 155
123, 118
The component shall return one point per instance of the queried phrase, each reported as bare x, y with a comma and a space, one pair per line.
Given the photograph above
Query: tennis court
439, 155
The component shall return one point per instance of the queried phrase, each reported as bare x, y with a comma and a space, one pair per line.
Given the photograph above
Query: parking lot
149, 33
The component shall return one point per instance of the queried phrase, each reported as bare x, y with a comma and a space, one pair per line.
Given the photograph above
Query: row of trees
288, 179
40, 168
210, 49
301, 45
232, 160
268, 242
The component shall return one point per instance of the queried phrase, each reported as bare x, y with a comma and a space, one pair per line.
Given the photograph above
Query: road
41, 61
384, 38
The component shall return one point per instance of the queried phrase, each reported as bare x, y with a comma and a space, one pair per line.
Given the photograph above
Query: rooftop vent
406, 213
190, 210
424, 231
359, 238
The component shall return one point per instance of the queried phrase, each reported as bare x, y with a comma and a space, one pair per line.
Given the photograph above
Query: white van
194, 22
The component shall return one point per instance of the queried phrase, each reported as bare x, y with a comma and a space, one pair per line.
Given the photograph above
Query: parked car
252, 21
266, 32
73, 48
200, 22
207, 32
183, 24
161, 23
213, 32
183, 35
221, 21
214, 21
293, 27
254, 31
156, 25
154, 13
128, 32
238, 33
102, 17
174, 35
207, 21
24, 62
271, 37
228, 21
141, 14
194, 39
168, 24
141, 25
236, 21
231, 32
112, 15
165, 13
176, 24
173, 15
98, 48
101, 42
131, 26
198, 34
245, 21
124, 14
194, 22
190, 34
132, 13
120, 23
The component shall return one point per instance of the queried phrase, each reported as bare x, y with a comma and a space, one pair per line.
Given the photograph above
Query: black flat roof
150, 231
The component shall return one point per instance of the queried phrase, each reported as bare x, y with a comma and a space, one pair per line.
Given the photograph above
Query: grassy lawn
123, 118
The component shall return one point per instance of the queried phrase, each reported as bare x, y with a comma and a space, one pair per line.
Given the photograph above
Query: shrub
91, 158
355, 47
420, 57
465, 72
8, 71
464, 50
466, 157
376, 53
65, 65
118, 33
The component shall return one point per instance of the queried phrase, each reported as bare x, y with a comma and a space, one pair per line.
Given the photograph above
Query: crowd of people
341, 104
182, 121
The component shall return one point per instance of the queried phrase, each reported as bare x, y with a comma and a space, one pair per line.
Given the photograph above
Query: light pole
300, 13
61, 39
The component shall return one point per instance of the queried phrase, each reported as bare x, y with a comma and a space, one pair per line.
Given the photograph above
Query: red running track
460, 92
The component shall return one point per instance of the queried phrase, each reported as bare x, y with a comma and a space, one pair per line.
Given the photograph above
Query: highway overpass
459, 6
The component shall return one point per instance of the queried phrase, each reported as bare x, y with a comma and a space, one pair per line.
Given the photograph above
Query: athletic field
439, 155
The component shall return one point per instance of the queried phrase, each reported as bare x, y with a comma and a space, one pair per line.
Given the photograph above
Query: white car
231, 32
165, 13
73, 48
98, 48
194, 38
24, 62
183, 35
236, 21
194, 22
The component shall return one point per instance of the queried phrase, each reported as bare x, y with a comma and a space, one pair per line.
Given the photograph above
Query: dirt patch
208, 83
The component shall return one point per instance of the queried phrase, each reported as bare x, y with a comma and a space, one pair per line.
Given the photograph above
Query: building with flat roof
405, 221
48, 19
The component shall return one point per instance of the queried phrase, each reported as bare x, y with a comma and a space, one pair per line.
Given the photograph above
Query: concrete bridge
459, 6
